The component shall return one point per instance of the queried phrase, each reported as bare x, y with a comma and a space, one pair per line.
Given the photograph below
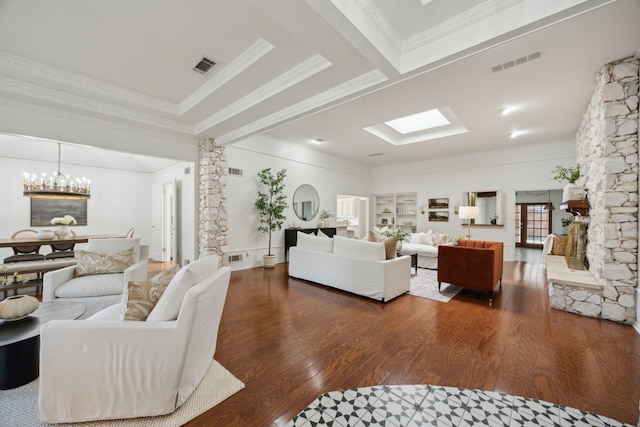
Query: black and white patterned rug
425, 285
427, 405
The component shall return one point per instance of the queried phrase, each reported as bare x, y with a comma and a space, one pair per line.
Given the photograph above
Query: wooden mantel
576, 207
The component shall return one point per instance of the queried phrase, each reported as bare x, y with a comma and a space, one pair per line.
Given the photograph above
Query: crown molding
295, 75
56, 96
84, 83
249, 57
92, 121
350, 87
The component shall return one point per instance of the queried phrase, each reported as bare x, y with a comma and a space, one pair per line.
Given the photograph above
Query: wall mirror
306, 202
489, 204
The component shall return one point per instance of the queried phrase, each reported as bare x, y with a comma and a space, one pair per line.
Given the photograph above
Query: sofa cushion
358, 248
314, 243
91, 286
390, 244
169, 304
90, 263
423, 250
104, 246
140, 297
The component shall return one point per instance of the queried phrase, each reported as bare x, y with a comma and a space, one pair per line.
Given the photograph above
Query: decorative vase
45, 234
62, 232
18, 307
322, 224
399, 246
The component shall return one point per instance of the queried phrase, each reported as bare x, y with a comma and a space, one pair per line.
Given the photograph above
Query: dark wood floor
290, 340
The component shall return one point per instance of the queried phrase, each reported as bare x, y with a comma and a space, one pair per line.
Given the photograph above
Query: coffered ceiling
300, 70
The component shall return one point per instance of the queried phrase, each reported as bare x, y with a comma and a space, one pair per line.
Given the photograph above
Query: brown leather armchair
473, 264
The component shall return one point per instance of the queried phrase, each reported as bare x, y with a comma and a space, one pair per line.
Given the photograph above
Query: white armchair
97, 291
106, 368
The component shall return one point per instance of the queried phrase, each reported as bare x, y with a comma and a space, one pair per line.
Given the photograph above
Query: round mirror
306, 202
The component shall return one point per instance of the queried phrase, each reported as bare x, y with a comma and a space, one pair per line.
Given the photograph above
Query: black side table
414, 259
20, 341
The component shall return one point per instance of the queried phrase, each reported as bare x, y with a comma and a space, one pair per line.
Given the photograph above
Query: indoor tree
270, 205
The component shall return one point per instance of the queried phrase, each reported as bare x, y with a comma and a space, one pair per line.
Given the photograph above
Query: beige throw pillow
390, 244
140, 297
440, 238
95, 263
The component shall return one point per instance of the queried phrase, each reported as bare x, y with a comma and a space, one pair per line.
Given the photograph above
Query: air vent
375, 154
235, 258
204, 65
235, 171
515, 62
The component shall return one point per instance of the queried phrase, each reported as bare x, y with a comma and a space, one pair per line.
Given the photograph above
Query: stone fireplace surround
607, 152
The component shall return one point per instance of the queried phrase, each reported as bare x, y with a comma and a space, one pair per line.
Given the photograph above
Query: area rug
425, 285
19, 406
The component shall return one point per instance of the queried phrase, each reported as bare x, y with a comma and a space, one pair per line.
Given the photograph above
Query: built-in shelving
399, 210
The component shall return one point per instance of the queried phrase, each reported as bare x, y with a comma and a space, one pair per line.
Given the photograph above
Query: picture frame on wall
439, 216
439, 203
44, 209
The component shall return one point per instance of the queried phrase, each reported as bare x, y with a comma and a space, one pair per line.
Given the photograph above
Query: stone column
607, 151
212, 207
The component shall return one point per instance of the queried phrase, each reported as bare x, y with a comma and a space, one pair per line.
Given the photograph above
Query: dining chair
27, 251
130, 233
61, 250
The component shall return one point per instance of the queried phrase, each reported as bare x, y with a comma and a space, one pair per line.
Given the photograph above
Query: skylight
418, 122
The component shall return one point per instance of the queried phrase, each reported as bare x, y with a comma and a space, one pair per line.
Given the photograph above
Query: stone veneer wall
212, 207
607, 152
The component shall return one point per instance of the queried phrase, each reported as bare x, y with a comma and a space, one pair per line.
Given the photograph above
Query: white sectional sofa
426, 244
352, 265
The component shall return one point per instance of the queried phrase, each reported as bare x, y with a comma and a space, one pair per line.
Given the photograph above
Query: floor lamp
469, 213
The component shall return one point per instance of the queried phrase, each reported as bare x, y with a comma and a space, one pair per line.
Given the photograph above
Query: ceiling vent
204, 65
515, 62
375, 154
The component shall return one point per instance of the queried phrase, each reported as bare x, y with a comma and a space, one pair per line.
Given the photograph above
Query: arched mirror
306, 202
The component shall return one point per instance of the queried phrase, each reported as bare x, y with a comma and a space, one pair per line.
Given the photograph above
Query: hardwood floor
290, 341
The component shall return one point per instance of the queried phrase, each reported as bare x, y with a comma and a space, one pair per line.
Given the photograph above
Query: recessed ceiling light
418, 122
317, 141
507, 110
516, 133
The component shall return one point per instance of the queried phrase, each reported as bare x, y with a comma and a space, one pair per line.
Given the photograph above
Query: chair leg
439, 286
491, 299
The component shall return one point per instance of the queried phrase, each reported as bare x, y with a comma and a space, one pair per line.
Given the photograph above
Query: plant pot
18, 307
269, 261
572, 192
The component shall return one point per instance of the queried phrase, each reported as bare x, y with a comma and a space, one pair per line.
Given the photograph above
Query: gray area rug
425, 285
19, 406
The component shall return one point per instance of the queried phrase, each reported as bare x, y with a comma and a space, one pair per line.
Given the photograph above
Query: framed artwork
383, 221
439, 216
441, 203
43, 210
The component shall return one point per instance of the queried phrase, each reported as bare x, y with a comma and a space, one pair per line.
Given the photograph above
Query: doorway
532, 224
352, 219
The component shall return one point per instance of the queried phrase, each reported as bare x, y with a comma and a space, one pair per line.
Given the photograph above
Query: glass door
533, 224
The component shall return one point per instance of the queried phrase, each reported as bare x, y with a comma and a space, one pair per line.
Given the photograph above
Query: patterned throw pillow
96, 263
140, 297
440, 239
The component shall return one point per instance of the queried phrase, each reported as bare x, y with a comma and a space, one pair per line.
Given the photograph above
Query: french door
533, 224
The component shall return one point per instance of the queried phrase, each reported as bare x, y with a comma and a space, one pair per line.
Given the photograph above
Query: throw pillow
415, 238
427, 238
96, 263
440, 238
140, 297
321, 234
373, 237
390, 244
559, 245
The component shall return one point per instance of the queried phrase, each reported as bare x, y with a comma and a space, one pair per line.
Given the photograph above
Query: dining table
78, 238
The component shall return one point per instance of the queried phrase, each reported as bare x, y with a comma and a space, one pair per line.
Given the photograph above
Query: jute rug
425, 285
19, 407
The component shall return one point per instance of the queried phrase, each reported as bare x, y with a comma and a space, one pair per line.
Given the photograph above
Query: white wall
328, 175
119, 200
511, 170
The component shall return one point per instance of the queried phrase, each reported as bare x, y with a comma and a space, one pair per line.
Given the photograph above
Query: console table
291, 236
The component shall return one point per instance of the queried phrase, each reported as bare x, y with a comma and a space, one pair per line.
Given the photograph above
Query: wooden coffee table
20, 341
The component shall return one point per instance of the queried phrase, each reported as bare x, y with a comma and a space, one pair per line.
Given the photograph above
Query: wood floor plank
290, 341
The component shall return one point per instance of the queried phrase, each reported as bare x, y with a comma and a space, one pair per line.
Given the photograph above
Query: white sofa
97, 291
426, 244
107, 368
352, 265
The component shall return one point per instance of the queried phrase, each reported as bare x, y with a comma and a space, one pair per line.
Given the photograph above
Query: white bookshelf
397, 210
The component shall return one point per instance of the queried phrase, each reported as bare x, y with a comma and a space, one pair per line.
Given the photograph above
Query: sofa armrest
137, 271
129, 356
52, 280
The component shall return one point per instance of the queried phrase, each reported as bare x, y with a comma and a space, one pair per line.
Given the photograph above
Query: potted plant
324, 216
270, 205
494, 219
400, 234
571, 191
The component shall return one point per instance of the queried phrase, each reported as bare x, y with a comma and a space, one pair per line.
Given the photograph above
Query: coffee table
414, 259
20, 341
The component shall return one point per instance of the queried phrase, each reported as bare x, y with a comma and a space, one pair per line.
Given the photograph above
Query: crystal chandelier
57, 185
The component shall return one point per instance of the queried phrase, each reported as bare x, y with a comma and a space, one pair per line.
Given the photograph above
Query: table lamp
469, 213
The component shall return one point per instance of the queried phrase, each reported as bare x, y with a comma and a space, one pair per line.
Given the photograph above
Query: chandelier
57, 185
